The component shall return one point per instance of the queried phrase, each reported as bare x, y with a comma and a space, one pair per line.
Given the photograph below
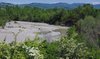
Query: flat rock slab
21, 31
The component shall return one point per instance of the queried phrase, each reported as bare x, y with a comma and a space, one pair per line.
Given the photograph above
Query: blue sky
51, 1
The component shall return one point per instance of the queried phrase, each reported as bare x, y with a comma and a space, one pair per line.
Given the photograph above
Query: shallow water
22, 31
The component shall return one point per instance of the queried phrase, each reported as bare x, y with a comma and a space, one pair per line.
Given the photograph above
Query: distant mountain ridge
2, 4
54, 5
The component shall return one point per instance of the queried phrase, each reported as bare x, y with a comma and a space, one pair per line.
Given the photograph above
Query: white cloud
96, 3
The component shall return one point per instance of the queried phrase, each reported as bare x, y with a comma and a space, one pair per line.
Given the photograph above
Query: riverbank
22, 31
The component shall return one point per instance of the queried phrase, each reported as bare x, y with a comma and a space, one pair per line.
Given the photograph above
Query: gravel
22, 31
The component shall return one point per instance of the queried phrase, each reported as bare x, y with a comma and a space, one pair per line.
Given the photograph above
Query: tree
88, 30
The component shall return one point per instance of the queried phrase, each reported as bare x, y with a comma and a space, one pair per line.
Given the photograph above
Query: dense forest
81, 42
56, 16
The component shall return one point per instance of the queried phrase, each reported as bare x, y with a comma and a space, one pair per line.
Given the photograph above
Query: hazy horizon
50, 1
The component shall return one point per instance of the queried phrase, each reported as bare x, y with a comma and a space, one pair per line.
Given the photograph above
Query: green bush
19, 51
68, 47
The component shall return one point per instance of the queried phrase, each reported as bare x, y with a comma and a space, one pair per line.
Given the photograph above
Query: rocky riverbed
21, 31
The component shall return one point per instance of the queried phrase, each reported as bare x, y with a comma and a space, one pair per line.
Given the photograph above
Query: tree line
58, 16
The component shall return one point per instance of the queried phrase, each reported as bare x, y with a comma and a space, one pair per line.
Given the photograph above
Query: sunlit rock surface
21, 31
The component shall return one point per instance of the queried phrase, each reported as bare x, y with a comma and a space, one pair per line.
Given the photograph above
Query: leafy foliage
89, 29
58, 16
